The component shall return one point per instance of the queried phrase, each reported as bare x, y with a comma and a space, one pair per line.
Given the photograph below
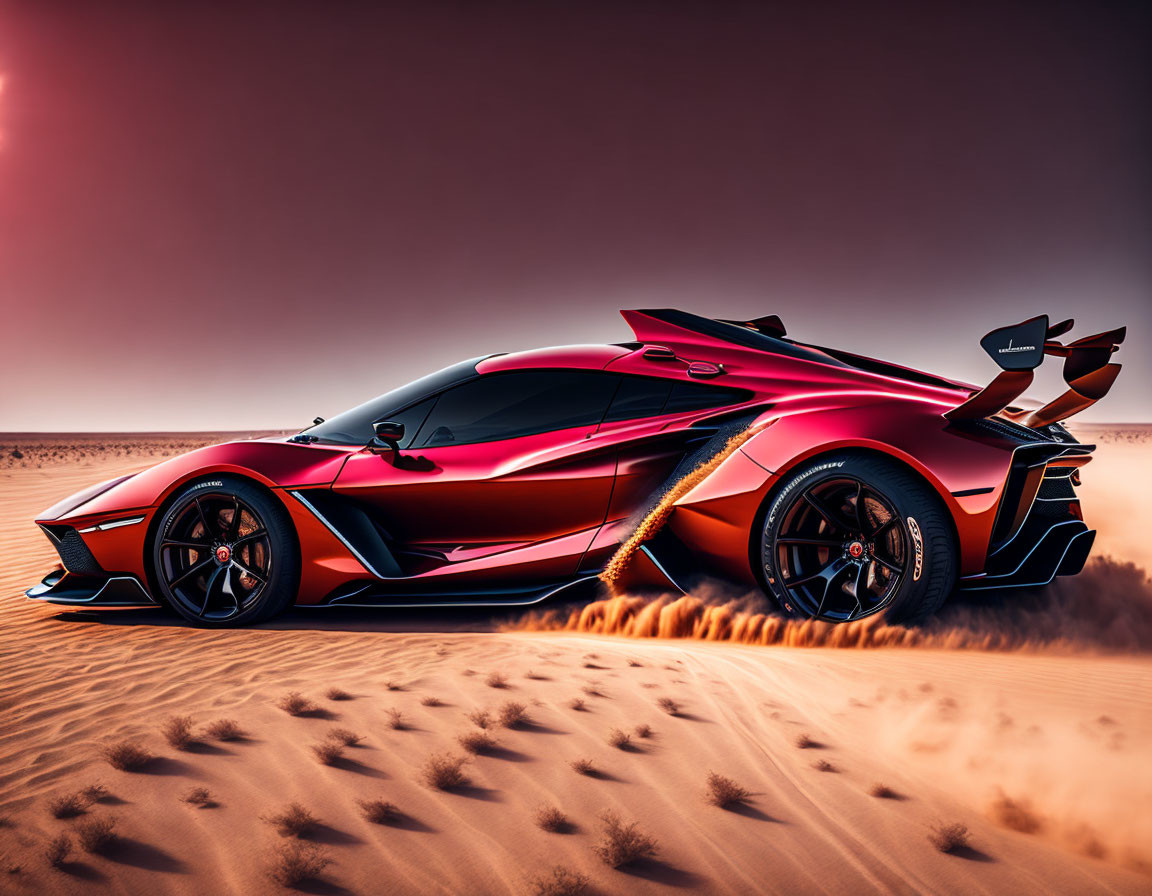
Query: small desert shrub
481, 718
127, 756
643, 731
57, 850
883, 792
225, 729
394, 685
592, 690
68, 805
431, 701
294, 863
337, 694
949, 837
561, 881
1015, 814
477, 741
805, 742
379, 811
669, 705
292, 821
396, 720
97, 835
535, 676
551, 819
622, 843
593, 666
444, 771
577, 703
95, 792
344, 736
513, 714
496, 680
177, 731
296, 704
583, 767
329, 752
200, 797
621, 740
724, 792
634, 663
823, 765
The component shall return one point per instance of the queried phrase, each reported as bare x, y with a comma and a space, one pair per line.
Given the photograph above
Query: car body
509, 478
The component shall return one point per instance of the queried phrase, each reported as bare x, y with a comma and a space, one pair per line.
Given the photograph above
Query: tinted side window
508, 405
639, 396
412, 418
695, 397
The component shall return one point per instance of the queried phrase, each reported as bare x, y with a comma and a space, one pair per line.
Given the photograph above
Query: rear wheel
852, 536
224, 554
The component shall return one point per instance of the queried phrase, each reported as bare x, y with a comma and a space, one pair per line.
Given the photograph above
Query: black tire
217, 569
827, 511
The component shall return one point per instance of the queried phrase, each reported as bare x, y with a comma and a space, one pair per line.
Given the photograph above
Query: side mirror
388, 436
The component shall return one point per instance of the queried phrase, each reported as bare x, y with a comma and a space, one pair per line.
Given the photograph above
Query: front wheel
850, 536
224, 554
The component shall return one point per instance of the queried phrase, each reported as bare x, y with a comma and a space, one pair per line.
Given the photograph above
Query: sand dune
1040, 750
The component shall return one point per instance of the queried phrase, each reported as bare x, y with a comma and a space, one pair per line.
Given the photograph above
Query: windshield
354, 427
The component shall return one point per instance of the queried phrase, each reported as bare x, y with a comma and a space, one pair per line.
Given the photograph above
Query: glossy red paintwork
549, 505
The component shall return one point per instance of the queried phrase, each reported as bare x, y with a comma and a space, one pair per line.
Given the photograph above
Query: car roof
588, 357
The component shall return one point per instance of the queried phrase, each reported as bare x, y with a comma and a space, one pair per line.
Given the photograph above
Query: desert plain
848, 757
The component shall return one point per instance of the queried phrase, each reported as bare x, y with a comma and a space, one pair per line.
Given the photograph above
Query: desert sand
1028, 722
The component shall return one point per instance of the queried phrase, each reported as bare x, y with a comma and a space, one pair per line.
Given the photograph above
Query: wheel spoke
251, 536
820, 542
834, 519
212, 580
861, 517
860, 586
230, 588
248, 572
237, 513
191, 545
891, 567
204, 519
191, 571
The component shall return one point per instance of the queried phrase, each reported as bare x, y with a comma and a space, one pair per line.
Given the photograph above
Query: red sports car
840, 485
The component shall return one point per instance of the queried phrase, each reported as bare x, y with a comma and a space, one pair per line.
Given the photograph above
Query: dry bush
225, 729
294, 863
477, 741
127, 756
337, 694
643, 731
634, 663
481, 718
551, 819
296, 704
669, 705
621, 740
883, 792
394, 685
177, 731
561, 881
95, 793
329, 752
97, 835
201, 797
583, 767
344, 736
724, 792
577, 703
536, 676
593, 666
513, 714
396, 720
57, 850
68, 805
949, 837
1015, 814
805, 742
444, 771
380, 811
823, 765
622, 843
292, 821
431, 701
496, 680
592, 690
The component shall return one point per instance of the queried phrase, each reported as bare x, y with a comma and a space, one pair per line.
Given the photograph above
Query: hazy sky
244, 215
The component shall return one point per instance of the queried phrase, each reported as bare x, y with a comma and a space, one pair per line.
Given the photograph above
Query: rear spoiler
1021, 348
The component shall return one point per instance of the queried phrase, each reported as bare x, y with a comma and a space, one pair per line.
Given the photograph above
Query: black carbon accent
1053, 487
74, 554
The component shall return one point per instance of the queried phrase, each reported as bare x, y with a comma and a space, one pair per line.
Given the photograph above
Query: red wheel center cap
856, 549
223, 554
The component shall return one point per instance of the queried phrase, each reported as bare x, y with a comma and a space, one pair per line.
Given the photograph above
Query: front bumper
62, 587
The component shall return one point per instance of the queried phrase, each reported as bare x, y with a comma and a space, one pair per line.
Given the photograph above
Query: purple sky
244, 215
